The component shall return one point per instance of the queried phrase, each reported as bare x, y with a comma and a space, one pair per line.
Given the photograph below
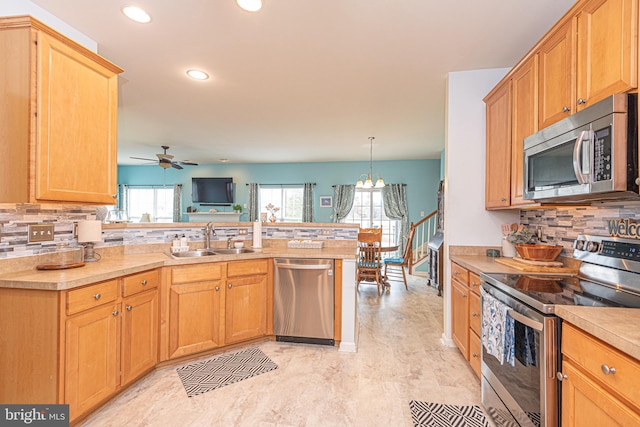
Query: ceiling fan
166, 160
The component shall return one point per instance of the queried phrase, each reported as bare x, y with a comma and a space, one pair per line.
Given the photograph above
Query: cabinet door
245, 308
585, 403
92, 357
556, 71
194, 317
460, 317
77, 109
139, 335
524, 118
607, 49
498, 162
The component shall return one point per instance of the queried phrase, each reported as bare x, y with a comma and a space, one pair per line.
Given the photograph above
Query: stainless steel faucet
229, 244
208, 231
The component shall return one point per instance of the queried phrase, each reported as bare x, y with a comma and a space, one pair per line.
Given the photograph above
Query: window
286, 197
368, 212
158, 202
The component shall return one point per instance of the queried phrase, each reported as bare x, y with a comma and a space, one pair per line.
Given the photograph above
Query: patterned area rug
427, 414
201, 377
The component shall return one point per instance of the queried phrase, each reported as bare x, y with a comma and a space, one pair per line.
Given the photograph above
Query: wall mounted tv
215, 191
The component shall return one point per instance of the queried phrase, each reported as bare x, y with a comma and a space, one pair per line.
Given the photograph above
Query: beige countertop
615, 326
482, 264
110, 267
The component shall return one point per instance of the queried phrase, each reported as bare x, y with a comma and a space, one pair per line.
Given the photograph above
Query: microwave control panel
602, 159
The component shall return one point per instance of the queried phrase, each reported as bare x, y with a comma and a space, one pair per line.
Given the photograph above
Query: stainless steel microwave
590, 155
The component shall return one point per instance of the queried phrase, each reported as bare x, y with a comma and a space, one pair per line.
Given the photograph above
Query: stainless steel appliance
590, 155
527, 392
303, 300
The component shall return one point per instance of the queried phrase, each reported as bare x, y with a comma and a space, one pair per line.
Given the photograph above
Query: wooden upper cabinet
59, 126
556, 71
524, 118
498, 162
607, 53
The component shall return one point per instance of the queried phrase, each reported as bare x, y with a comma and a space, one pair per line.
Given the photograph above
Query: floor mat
427, 414
201, 377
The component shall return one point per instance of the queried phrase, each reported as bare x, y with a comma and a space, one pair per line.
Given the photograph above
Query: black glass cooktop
543, 292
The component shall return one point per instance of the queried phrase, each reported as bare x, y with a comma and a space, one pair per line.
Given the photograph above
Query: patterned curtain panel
394, 198
307, 202
123, 200
343, 196
254, 209
177, 203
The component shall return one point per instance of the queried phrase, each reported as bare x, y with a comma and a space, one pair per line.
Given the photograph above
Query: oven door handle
525, 320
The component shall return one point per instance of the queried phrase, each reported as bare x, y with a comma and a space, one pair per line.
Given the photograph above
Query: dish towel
525, 344
497, 329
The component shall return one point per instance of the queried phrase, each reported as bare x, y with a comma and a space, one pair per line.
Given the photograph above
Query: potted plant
519, 236
237, 208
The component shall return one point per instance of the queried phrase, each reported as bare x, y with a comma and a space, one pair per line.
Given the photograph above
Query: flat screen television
217, 191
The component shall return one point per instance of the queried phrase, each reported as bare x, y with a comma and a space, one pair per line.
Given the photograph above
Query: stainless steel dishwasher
303, 300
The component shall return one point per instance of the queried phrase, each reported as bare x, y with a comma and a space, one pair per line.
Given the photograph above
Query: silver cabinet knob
115, 196
97, 296
115, 313
474, 284
566, 109
474, 355
561, 377
229, 286
474, 314
581, 101
217, 288
607, 370
129, 307
503, 199
144, 282
464, 295
638, 181
455, 273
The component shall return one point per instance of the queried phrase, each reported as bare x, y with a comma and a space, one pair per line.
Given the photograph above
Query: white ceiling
301, 80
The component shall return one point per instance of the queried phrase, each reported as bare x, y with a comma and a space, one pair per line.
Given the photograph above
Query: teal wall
421, 176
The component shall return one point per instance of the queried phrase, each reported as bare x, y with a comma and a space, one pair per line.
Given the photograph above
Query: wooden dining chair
394, 267
369, 259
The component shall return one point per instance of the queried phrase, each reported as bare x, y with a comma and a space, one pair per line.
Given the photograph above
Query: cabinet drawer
140, 282
593, 356
247, 268
460, 274
196, 273
91, 296
474, 352
474, 312
474, 283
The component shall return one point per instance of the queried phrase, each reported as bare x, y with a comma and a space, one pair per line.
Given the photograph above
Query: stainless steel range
519, 380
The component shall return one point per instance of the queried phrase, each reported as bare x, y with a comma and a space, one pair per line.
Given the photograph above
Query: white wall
25, 7
466, 222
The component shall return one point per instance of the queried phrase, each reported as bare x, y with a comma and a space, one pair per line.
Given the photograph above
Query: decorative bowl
539, 252
238, 245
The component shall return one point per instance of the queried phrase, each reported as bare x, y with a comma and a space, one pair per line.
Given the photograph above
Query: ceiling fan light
136, 14
197, 74
250, 5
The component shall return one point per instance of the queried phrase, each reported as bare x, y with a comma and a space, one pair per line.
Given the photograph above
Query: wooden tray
59, 266
535, 266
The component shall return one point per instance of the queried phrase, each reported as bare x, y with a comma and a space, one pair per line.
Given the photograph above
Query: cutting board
537, 266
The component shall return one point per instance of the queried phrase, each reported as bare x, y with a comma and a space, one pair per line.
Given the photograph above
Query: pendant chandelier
368, 182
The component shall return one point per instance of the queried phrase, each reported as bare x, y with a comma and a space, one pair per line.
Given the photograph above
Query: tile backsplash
561, 225
15, 219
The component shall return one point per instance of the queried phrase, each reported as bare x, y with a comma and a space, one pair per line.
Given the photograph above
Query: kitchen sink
191, 254
234, 251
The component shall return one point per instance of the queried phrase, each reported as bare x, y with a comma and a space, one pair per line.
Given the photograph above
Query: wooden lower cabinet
466, 314
245, 308
194, 317
599, 386
92, 356
139, 335
460, 317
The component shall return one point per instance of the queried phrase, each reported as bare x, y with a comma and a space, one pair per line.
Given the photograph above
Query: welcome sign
623, 227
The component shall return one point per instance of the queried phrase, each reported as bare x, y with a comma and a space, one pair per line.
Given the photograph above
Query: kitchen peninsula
137, 308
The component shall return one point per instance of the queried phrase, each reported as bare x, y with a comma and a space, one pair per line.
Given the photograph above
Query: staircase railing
423, 232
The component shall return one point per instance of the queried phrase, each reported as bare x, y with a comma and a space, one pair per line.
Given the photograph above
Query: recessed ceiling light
136, 14
224, 160
197, 74
250, 5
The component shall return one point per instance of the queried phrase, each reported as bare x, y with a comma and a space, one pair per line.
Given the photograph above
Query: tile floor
400, 358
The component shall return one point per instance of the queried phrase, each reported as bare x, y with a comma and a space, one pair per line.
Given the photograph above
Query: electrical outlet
326, 232
242, 231
421, 214
40, 233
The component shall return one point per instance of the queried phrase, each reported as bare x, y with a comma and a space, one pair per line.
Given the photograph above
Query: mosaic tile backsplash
15, 219
561, 226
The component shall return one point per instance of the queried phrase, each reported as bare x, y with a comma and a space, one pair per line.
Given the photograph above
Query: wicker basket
539, 252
